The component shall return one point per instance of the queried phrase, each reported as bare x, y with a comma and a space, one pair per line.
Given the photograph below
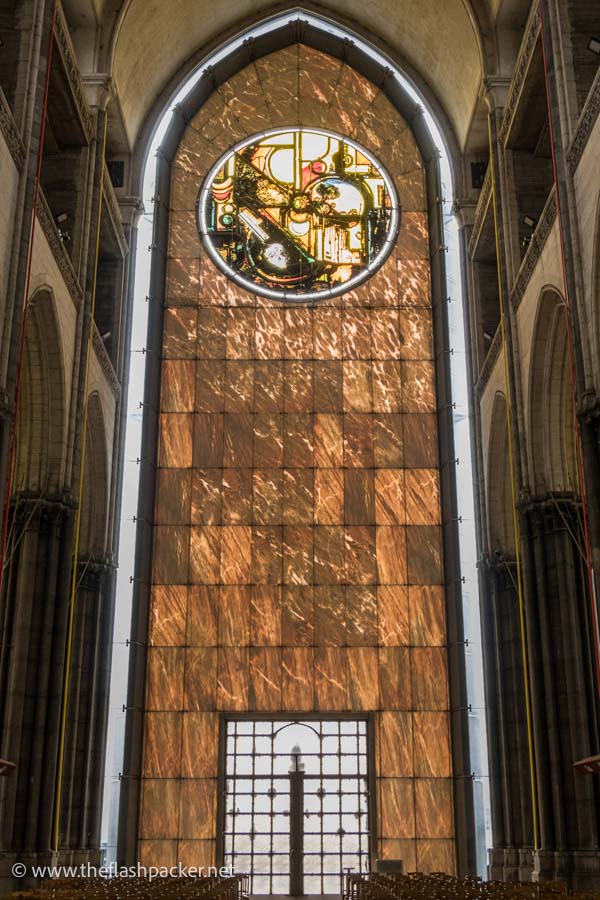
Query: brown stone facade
297, 547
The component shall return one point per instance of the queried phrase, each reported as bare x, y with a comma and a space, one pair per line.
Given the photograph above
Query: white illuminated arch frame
146, 158
255, 287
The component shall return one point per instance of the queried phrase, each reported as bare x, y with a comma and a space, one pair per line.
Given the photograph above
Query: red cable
13, 436
588, 556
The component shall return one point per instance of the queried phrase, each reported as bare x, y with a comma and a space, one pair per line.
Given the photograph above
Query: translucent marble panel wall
297, 545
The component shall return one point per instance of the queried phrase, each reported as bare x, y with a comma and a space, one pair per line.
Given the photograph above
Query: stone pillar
510, 789
35, 604
567, 708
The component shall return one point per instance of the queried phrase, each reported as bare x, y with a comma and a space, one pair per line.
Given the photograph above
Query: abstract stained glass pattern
298, 213
297, 565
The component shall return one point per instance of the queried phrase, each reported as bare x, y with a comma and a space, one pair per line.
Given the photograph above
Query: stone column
36, 595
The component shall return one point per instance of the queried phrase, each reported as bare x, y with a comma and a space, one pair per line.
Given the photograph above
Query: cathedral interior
300, 445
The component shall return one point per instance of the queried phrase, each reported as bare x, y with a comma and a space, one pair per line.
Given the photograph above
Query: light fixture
530, 221
594, 46
60, 218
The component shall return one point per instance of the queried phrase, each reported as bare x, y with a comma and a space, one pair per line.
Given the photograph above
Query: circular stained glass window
299, 215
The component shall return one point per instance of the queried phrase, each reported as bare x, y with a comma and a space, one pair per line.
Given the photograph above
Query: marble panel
403, 849
330, 678
158, 853
178, 385
237, 496
328, 495
200, 694
238, 431
265, 679
268, 336
358, 440
424, 548
265, 615
232, 678
387, 386
328, 386
413, 242
422, 497
298, 440
429, 678
362, 678
395, 678
212, 333
358, 390
234, 616
267, 554
361, 616
297, 554
359, 496
427, 616
183, 280
432, 744
199, 745
297, 625
184, 241
175, 440
397, 808
168, 615
206, 499
200, 854
268, 440
383, 286
240, 333
387, 344
297, 683
420, 439
327, 334
170, 563
416, 333
298, 496
298, 386
180, 332
418, 390
396, 745
356, 333
391, 554
329, 552
202, 615
173, 496
164, 688
160, 805
236, 554
162, 745
388, 439
330, 616
389, 497
238, 389
436, 856
267, 506
433, 799
205, 554
298, 334
208, 440
360, 556
268, 386
328, 440
197, 807
414, 286
393, 615
210, 383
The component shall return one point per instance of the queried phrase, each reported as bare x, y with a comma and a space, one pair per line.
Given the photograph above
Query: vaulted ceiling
149, 45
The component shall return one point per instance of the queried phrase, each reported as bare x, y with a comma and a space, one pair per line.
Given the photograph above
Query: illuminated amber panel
297, 544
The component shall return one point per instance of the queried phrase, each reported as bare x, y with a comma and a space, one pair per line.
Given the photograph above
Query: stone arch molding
551, 423
93, 528
499, 492
41, 430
